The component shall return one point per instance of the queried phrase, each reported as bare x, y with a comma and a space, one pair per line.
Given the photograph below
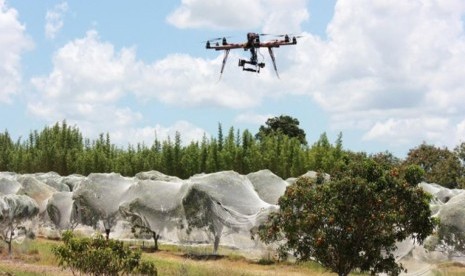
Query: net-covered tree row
63, 149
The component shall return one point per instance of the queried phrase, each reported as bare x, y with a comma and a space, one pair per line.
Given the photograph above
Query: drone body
253, 44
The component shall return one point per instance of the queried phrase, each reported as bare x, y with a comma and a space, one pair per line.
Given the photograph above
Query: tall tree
6, 149
284, 124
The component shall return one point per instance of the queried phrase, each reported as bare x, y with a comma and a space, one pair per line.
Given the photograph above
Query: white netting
268, 186
9, 186
215, 208
36, 189
60, 210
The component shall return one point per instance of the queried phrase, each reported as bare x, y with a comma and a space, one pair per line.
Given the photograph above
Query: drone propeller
289, 35
216, 39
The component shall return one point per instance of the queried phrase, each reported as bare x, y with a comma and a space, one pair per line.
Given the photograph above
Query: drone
253, 45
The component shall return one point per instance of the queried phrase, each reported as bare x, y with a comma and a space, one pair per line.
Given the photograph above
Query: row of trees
279, 146
62, 148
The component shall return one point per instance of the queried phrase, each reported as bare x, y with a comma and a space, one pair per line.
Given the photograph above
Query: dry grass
450, 269
33, 258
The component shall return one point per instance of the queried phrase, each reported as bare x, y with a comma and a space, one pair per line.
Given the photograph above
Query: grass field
34, 257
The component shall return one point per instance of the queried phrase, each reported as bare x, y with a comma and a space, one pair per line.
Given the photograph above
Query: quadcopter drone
253, 44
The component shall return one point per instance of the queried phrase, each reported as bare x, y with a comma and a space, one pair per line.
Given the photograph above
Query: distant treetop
283, 124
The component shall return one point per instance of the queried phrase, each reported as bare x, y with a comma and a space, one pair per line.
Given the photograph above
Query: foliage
413, 174
325, 157
351, 222
98, 256
283, 124
441, 165
62, 148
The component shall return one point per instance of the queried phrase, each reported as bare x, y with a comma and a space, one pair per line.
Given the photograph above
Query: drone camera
250, 70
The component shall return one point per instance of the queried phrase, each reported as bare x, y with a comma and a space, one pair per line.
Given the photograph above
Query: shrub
98, 256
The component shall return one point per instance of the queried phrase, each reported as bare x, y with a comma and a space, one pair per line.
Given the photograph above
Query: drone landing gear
256, 66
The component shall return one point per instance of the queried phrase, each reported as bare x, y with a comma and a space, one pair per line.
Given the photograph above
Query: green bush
98, 256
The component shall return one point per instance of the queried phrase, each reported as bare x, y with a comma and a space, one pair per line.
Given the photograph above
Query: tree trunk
9, 247
8, 241
155, 240
107, 232
216, 243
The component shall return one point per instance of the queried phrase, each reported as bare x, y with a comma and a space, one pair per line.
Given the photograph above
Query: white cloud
87, 71
388, 68
401, 131
391, 69
217, 14
252, 118
269, 15
54, 19
90, 81
13, 42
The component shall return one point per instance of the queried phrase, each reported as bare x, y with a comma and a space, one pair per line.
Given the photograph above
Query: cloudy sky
388, 74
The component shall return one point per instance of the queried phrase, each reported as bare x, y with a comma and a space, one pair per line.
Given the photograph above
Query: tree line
63, 149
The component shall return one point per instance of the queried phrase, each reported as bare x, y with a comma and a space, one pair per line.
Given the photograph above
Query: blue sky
387, 74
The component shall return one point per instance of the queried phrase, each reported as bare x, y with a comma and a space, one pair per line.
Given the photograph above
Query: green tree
6, 149
351, 222
228, 152
460, 152
97, 256
413, 174
190, 160
441, 166
284, 124
325, 157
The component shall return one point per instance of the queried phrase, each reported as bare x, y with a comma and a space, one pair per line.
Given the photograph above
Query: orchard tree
350, 222
99, 256
14, 211
448, 239
283, 124
441, 165
413, 174
199, 212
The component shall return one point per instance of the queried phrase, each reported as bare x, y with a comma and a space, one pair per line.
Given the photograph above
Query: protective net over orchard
214, 209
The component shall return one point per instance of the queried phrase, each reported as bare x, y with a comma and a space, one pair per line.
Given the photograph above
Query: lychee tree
352, 222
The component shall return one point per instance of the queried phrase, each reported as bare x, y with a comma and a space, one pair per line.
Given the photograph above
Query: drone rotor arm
228, 46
